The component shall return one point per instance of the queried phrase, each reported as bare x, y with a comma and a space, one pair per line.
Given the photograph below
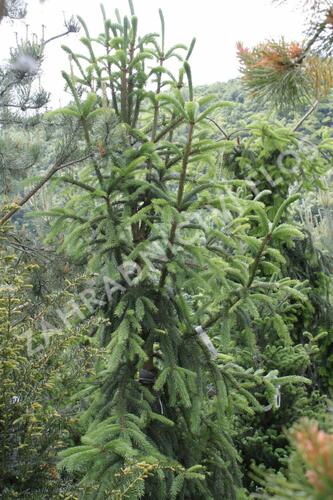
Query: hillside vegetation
166, 257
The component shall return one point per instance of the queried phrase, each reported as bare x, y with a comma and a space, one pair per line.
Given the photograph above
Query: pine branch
311, 42
306, 116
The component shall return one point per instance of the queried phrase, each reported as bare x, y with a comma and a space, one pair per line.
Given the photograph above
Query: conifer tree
178, 256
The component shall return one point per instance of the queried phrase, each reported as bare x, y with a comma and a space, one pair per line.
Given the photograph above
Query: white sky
217, 25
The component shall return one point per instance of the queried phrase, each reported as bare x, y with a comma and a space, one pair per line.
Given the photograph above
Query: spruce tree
177, 253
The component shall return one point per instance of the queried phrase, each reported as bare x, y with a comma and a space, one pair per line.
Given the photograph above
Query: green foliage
183, 256
309, 473
37, 382
20, 153
198, 330
285, 74
282, 342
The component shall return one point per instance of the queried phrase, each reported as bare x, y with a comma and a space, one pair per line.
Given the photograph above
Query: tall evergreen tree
176, 256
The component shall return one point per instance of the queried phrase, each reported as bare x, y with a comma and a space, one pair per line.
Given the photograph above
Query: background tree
295, 74
39, 371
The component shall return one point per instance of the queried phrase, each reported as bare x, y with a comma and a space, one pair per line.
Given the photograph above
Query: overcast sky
217, 25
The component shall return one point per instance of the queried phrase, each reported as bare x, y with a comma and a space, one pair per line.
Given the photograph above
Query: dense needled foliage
179, 254
39, 371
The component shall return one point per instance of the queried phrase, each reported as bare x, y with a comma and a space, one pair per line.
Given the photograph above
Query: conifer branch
225, 135
168, 129
181, 187
88, 142
306, 116
56, 168
256, 263
311, 42
216, 317
75, 182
